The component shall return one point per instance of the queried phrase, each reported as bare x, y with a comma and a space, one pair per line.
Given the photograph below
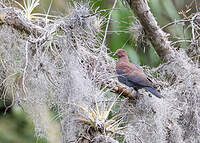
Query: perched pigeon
131, 75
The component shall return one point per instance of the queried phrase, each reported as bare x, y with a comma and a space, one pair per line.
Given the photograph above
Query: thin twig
108, 22
180, 41
25, 68
104, 10
175, 22
196, 5
192, 25
46, 17
104, 39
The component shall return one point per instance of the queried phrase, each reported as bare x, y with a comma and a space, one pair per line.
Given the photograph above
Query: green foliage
120, 23
16, 127
123, 37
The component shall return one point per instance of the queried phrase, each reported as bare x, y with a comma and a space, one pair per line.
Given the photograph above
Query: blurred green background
17, 127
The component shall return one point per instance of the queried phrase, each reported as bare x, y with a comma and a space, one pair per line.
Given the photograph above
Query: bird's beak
115, 54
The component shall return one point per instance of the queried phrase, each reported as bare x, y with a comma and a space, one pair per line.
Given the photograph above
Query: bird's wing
138, 79
120, 71
133, 74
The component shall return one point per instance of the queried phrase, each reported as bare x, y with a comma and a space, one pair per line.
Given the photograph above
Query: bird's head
120, 53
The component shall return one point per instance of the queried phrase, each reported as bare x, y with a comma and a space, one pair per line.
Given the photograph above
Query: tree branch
16, 18
156, 35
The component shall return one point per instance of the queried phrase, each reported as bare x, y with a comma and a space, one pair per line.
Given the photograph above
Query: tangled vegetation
61, 64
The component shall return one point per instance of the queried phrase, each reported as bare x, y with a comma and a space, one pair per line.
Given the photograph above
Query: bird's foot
135, 94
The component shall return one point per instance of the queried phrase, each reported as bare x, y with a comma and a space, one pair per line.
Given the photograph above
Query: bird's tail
153, 91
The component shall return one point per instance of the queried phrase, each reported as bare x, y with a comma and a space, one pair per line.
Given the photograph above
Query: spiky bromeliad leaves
29, 6
99, 119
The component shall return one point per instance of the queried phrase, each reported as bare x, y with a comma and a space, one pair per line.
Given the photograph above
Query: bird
132, 76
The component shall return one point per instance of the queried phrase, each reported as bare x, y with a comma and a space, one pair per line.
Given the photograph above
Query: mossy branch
156, 35
15, 17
